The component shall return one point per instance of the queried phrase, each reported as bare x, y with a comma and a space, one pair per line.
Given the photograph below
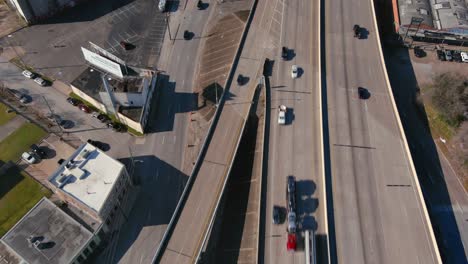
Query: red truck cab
291, 244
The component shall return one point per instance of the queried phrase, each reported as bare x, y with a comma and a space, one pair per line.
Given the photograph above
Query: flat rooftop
88, 175
62, 237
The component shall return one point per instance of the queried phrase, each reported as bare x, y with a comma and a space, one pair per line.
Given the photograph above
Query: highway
379, 216
295, 148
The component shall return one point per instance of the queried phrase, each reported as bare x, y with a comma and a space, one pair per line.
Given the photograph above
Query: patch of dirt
9, 20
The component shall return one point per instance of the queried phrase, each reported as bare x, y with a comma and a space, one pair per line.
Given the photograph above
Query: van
162, 5
464, 56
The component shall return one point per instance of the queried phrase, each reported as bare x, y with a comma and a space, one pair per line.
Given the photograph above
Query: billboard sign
102, 63
105, 53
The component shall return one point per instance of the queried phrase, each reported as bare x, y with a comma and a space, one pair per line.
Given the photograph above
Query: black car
418, 52
200, 5
456, 55
291, 184
284, 53
441, 55
103, 118
66, 124
116, 127
276, 215
38, 150
73, 101
187, 35
97, 144
363, 93
357, 31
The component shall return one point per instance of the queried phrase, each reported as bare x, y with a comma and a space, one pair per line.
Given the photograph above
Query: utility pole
216, 93
53, 116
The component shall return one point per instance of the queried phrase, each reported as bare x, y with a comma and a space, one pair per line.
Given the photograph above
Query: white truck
282, 109
162, 5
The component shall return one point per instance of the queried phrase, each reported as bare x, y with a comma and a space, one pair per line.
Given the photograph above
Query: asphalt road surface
295, 148
378, 215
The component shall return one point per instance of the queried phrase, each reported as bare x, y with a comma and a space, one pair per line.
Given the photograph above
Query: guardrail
203, 149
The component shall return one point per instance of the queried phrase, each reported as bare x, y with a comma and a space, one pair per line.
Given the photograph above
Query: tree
450, 96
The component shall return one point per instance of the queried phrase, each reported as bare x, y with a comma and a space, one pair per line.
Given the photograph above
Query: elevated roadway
295, 148
187, 237
379, 213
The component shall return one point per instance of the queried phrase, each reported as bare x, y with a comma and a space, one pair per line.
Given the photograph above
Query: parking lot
53, 48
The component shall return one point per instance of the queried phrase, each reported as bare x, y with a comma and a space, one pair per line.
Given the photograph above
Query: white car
294, 70
29, 157
162, 5
464, 56
40, 81
282, 109
28, 74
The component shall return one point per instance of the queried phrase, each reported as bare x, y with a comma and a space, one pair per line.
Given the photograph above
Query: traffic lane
350, 78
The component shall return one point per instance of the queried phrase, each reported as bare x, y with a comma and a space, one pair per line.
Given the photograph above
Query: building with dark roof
47, 235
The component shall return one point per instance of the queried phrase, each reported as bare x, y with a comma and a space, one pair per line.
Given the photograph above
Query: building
437, 21
47, 235
33, 11
128, 98
93, 182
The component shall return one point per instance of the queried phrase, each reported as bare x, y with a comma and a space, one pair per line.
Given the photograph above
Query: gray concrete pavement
295, 149
193, 222
378, 214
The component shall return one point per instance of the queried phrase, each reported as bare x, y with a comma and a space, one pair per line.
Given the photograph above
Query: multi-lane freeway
379, 215
295, 148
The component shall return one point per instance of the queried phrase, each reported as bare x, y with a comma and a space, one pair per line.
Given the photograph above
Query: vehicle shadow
166, 104
424, 152
161, 186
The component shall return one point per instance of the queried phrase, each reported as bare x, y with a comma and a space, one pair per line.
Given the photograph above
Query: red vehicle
84, 108
291, 244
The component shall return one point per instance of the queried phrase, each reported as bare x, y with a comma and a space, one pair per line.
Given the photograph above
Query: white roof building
90, 177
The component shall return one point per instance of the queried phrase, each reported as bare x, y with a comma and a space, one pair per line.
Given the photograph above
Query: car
241, 79
24, 99
456, 55
294, 71
116, 127
464, 56
420, 53
441, 55
357, 31
73, 101
282, 110
29, 157
276, 215
200, 5
284, 53
38, 151
291, 184
65, 124
84, 108
126, 45
28, 74
291, 244
103, 118
187, 35
95, 143
162, 5
448, 55
363, 93
40, 81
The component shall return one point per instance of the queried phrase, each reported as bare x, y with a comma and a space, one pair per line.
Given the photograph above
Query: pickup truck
282, 114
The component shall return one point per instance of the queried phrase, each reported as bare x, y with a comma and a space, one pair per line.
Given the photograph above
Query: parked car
456, 55
291, 244
420, 53
294, 71
29, 157
65, 124
187, 35
73, 101
276, 215
103, 118
38, 151
40, 81
29, 74
282, 111
84, 108
97, 144
162, 5
441, 55
448, 55
116, 127
464, 56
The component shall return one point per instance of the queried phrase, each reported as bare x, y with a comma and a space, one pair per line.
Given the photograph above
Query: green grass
19, 141
439, 126
4, 116
18, 194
